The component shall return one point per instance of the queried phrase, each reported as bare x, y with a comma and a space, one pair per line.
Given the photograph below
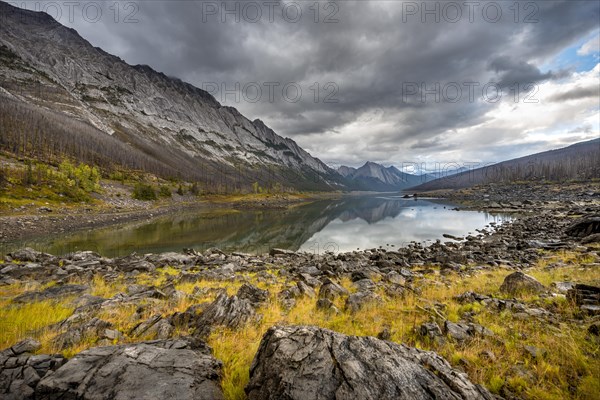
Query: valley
158, 243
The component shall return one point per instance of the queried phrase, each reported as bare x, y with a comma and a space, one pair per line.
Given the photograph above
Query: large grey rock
305, 363
585, 226
459, 332
28, 254
168, 369
253, 294
330, 290
518, 282
358, 300
229, 311
20, 371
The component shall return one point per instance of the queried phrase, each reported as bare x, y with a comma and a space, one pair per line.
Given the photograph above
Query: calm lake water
330, 225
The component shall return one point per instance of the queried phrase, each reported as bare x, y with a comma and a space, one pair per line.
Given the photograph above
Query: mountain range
62, 97
376, 177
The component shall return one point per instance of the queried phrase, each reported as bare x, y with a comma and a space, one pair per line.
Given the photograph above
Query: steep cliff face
49, 66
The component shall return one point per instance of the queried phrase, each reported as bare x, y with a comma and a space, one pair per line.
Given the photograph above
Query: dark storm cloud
517, 72
383, 57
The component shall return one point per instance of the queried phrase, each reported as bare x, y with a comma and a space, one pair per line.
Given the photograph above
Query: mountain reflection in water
335, 225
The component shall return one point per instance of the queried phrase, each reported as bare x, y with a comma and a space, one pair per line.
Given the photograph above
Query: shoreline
519, 199
44, 223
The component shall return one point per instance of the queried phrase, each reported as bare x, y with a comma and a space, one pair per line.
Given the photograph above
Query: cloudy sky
386, 81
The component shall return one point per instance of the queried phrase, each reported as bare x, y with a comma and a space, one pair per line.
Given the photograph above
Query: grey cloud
587, 128
577, 93
370, 54
517, 72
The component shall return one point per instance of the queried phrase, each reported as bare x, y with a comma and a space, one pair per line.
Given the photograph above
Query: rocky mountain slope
575, 162
132, 115
376, 177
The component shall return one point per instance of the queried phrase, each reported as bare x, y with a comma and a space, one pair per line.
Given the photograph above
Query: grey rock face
304, 363
168, 369
518, 282
20, 371
28, 254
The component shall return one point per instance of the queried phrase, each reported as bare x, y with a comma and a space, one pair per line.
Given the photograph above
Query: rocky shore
171, 325
32, 221
523, 197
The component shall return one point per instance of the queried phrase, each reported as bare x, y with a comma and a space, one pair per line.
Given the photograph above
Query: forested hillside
580, 161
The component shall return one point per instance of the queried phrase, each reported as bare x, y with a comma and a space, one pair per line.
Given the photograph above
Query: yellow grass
569, 369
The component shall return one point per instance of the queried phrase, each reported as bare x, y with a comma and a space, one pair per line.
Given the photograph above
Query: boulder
358, 300
365, 285
585, 226
164, 369
330, 290
231, 312
327, 305
28, 254
253, 294
305, 290
518, 282
305, 363
431, 330
458, 332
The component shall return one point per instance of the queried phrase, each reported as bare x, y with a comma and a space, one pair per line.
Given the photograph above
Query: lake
340, 225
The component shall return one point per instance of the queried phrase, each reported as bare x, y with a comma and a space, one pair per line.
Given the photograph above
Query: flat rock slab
52, 292
306, 363
163, 369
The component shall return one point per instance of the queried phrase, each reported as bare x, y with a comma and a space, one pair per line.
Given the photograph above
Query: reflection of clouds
420, 224
340, 225
409, 213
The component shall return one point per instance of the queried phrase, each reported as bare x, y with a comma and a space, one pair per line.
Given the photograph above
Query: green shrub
143, 191
164, 191
82, 176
